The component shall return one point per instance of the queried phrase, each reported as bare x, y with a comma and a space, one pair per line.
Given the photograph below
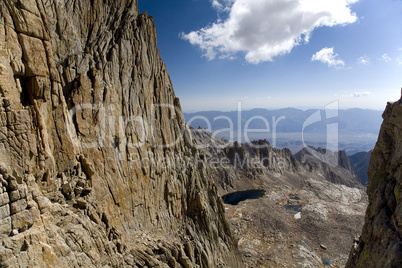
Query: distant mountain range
354, 129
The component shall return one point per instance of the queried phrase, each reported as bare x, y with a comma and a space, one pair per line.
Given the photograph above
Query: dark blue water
326, 261
295, 198
236, 197
293, 208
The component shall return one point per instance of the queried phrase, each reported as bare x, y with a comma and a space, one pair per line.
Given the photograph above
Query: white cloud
327, 55
263, 29
361, 94
217, 5
385, 58
364, 60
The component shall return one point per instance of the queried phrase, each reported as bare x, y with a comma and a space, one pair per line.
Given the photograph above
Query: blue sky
280, 53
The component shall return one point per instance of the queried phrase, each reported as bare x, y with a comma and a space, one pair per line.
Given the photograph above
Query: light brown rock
5, 226
34, 56
4, 199
4, 211
18, 206
91, 128
22, 220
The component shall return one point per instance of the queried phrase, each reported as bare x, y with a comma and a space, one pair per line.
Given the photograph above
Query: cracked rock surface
380, 244
96, 163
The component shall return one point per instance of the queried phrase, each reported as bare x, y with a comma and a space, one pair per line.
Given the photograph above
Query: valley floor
269, 235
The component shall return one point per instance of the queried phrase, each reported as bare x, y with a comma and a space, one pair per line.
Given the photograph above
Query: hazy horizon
353, 130
302, 108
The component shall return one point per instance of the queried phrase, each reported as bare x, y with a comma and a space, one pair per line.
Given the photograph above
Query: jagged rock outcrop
237, 162
97, 167
238, 165
380, 244
334, 166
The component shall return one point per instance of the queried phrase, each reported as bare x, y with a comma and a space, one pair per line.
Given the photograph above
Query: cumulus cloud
328, 56
263, 29
385, 58
364, 60
361, 94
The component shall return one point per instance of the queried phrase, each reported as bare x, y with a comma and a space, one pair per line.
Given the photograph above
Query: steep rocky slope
380, 244
335, 166
96, 163
360, 163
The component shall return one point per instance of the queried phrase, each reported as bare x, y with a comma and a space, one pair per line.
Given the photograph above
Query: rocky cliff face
380, 244
97, 167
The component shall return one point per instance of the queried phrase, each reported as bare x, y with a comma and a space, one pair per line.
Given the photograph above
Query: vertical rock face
380, 244
96, 162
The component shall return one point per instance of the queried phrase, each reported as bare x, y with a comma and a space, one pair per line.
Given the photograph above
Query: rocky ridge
97, 164
336, 167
